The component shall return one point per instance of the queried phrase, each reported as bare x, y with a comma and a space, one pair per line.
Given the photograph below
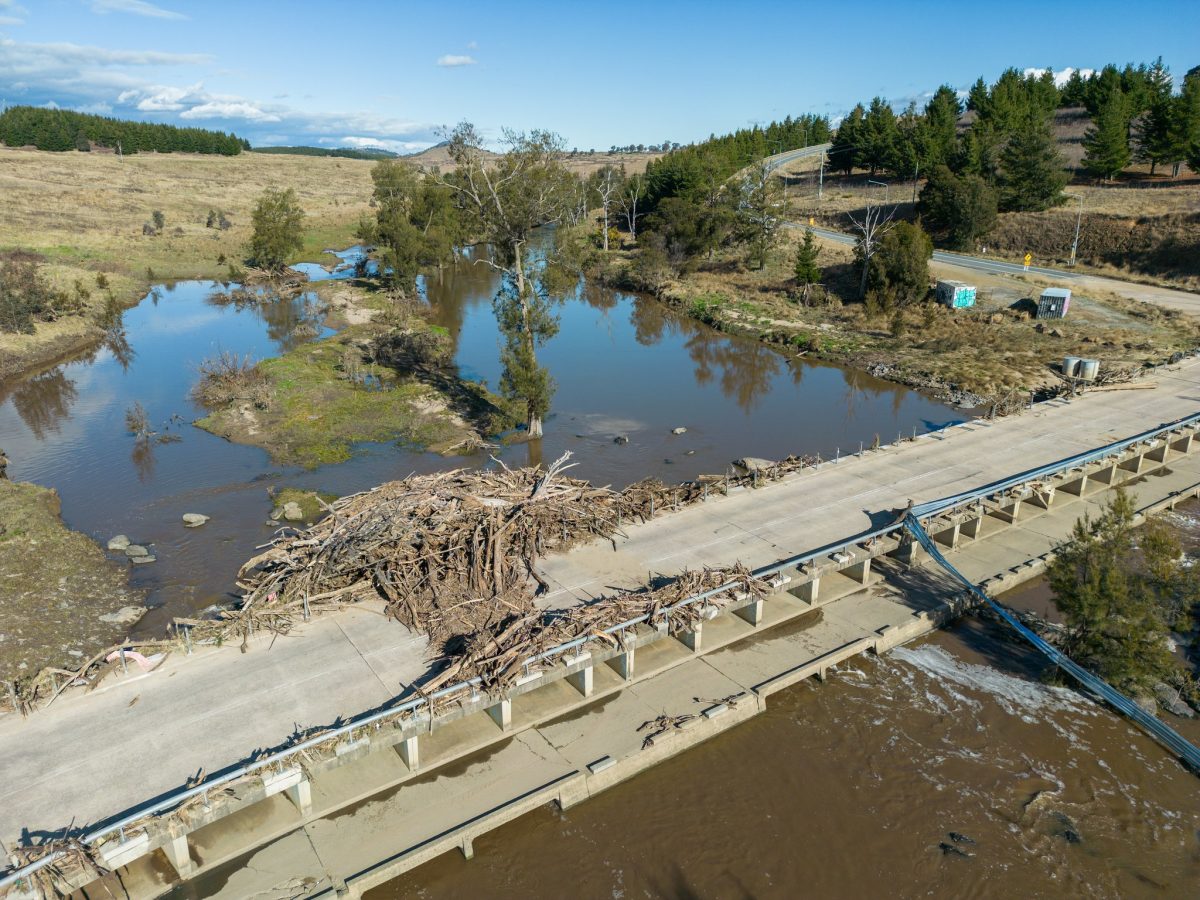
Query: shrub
229, 377
160, 221
25, 296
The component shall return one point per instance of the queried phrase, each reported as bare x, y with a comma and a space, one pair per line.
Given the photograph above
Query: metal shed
1053, 303
955, 294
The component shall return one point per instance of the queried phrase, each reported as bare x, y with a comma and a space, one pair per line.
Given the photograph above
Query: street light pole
1078, 222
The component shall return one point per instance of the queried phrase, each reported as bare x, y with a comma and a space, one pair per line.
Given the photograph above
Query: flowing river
843, 789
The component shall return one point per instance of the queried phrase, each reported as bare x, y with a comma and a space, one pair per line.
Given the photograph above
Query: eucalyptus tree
504, 198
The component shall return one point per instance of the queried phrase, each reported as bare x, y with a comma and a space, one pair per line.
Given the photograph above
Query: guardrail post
410, 753
501, 714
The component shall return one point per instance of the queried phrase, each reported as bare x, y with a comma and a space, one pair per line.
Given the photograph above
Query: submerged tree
1113, 598
505, 199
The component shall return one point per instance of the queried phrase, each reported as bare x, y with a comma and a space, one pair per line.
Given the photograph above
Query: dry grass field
580, 163
84, 213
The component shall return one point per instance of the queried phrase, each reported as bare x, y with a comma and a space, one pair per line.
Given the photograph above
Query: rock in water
1170, 700
194, 520
135, 550
679, 430
748, 465
621, 439
120, 542
143, 559
292, 512
126, 615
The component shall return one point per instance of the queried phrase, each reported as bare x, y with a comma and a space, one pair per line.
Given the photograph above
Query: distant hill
63, 129
346, 152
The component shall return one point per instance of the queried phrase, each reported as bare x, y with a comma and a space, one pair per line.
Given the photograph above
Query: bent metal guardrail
921, 511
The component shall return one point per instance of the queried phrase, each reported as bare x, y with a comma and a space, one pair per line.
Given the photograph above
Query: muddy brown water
858, 787
624, 365
853, 788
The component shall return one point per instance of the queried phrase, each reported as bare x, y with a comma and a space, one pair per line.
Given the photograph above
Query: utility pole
1078, 222
916, 175
821, 178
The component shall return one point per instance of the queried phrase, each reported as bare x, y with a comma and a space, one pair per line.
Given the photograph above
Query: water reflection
43, 401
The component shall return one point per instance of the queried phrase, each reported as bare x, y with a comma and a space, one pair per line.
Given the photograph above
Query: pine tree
1106, 144
977, 97
806, 270
941, 120
878, 135
845, 153
1032, 171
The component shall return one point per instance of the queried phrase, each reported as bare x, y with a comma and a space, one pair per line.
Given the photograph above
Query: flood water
851, 788
623, 365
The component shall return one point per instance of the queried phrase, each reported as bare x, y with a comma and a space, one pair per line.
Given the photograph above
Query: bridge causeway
569, 729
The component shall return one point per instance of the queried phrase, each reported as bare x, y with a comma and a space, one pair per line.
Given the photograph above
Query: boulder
292, 512
1169, 699
679, 430
135, 550
194, 520
748, 465
277, 513
621, 439
120, 542
1146, 704
142, 560
126, 615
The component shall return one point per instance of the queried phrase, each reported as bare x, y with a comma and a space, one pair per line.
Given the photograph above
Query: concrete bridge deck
90, 757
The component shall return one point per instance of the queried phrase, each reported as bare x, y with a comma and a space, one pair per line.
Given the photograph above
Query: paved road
1171, 298
89, 757
781, 159
980, 263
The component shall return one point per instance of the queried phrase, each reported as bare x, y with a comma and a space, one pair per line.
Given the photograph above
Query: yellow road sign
1028, 258
811, 221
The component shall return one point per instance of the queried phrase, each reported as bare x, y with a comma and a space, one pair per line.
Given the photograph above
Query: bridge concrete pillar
1043, 497
1107, 475
468, 848
751, 612
691, 639
179, 856
501, 714
948, 536
1010, 515
1135, 463
1075, 487
860, 571
1183, 443
410, 753
822, 673
972, 528
623, 662
300, 794
1160, 453
583, 680
808, 591
911, 553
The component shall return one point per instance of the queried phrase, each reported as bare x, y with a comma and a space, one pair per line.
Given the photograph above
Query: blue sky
390, 73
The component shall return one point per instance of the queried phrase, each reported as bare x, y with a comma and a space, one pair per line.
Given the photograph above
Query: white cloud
1062, 76
229, 109
135, 7
452, 61
11, 20
372, 143
164, 99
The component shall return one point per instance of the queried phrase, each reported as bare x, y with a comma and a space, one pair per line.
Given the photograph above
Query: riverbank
63, 598
83, 214
969, 357
385, 376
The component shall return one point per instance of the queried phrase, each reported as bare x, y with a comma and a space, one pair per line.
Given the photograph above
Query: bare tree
871, 229
607, 183
635, 189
